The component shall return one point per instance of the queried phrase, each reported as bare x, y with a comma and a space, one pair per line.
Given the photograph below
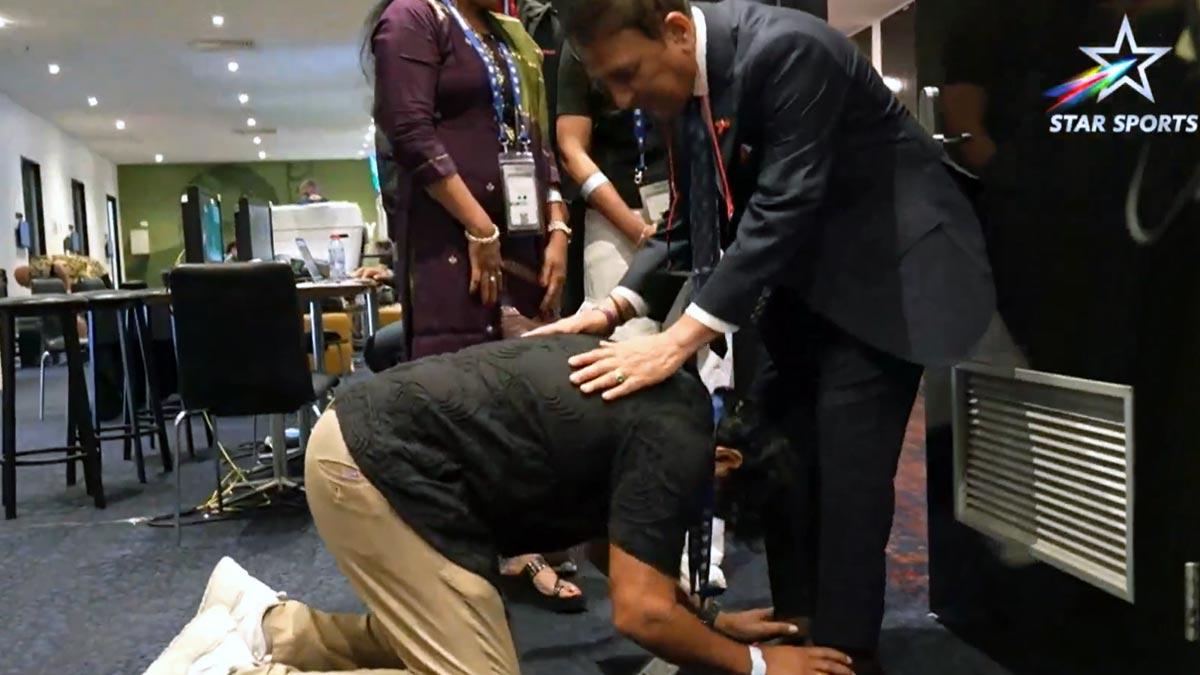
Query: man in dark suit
800, 178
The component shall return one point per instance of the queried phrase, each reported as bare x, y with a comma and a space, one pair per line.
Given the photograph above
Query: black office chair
240, 345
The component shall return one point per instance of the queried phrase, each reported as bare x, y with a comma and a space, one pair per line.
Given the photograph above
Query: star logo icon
1127, 45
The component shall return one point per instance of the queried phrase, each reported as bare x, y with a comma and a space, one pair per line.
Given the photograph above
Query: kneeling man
419, 478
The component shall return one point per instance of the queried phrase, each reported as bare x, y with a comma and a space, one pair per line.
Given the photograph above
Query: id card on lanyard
522, 207
656, 197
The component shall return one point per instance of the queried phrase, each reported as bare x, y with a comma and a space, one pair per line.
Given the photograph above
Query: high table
314, 292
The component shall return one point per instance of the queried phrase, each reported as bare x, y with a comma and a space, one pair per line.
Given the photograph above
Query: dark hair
366, 52
587, 20
768, 465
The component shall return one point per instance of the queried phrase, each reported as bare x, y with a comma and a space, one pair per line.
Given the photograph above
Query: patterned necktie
704, 195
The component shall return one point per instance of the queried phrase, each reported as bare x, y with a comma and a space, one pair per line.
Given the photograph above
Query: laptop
310, 263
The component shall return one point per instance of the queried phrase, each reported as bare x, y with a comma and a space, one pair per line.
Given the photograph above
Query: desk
314, 292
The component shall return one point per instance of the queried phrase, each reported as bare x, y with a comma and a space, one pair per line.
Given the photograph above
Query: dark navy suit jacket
839, 195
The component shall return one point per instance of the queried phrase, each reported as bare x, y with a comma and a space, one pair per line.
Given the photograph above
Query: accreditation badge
522, 208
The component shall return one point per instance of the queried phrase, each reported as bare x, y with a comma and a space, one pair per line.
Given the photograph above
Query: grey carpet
89, 591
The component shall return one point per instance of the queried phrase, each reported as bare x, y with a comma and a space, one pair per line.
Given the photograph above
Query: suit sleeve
801, 103
670, 249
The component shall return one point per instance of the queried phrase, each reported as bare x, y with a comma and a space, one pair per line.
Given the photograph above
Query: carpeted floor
92, 592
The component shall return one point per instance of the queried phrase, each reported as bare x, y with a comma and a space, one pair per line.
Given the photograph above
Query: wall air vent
1046, 462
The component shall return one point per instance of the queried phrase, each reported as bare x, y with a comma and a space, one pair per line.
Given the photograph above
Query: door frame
34, 204
112, 215
79, 214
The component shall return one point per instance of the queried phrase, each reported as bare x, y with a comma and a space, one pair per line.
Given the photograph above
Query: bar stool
82, 445
121, 315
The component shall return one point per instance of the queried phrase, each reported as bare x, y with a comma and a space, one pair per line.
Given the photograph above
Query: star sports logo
1123, 65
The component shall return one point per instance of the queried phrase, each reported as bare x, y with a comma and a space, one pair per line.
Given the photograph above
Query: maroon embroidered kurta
434, 103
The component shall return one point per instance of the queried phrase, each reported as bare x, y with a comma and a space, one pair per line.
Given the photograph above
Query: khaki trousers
426, 615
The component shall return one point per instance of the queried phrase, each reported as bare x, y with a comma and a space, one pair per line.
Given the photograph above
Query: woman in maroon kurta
433, 102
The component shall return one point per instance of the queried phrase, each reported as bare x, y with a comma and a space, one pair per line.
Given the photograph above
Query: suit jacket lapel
724, 88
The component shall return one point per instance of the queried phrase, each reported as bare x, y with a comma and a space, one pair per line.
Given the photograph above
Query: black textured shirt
492, 451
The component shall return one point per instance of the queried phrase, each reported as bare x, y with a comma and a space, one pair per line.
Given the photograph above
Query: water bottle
337, 258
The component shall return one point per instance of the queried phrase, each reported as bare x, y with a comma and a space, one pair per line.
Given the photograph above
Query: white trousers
606, 256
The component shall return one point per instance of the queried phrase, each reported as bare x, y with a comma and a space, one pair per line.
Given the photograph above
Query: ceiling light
251, 122
258, 140
262, 154
362, 153
54, 69
243, 98
121, 125
218, 20
233, 66
93, 101
4, 22
158, 159
894, 83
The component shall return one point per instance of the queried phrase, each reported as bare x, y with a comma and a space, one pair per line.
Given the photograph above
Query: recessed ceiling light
4, 22
251, 122
362, 153
158, 159
258, 140
93, 101
54, 69
121, 125
262, 154
218, 20
233, 66
243, 98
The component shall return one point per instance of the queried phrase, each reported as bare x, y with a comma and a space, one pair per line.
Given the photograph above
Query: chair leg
150, 368
180, 419
210, 423
78, 398
8, 462
133, 427
42, 387
191, 439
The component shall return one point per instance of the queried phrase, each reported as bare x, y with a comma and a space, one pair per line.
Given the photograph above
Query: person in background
458, 87
310, 193
24, 233
68, 267
72, 243
619, 160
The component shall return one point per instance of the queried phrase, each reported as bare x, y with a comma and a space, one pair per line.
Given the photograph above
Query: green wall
151, 192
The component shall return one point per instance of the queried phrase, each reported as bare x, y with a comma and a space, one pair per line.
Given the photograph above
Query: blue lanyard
498, 104
639, 133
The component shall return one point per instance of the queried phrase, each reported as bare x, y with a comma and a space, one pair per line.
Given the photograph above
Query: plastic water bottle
337, 258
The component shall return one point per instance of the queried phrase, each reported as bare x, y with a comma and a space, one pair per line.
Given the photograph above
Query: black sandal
521, 588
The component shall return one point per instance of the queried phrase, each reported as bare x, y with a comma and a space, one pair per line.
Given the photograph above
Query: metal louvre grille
1047, 461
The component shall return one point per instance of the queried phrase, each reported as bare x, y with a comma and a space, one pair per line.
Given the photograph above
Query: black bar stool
120, 315
82, 445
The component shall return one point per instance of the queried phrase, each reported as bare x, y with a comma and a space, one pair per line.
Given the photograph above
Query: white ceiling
303, 76
851, 16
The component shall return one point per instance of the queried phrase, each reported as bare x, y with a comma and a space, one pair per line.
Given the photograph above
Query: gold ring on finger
620, 376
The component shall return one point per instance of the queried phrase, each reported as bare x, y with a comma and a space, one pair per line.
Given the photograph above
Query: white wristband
553, 196
593, 183
758, 665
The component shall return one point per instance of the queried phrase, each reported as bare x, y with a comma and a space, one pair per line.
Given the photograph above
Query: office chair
241, 351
